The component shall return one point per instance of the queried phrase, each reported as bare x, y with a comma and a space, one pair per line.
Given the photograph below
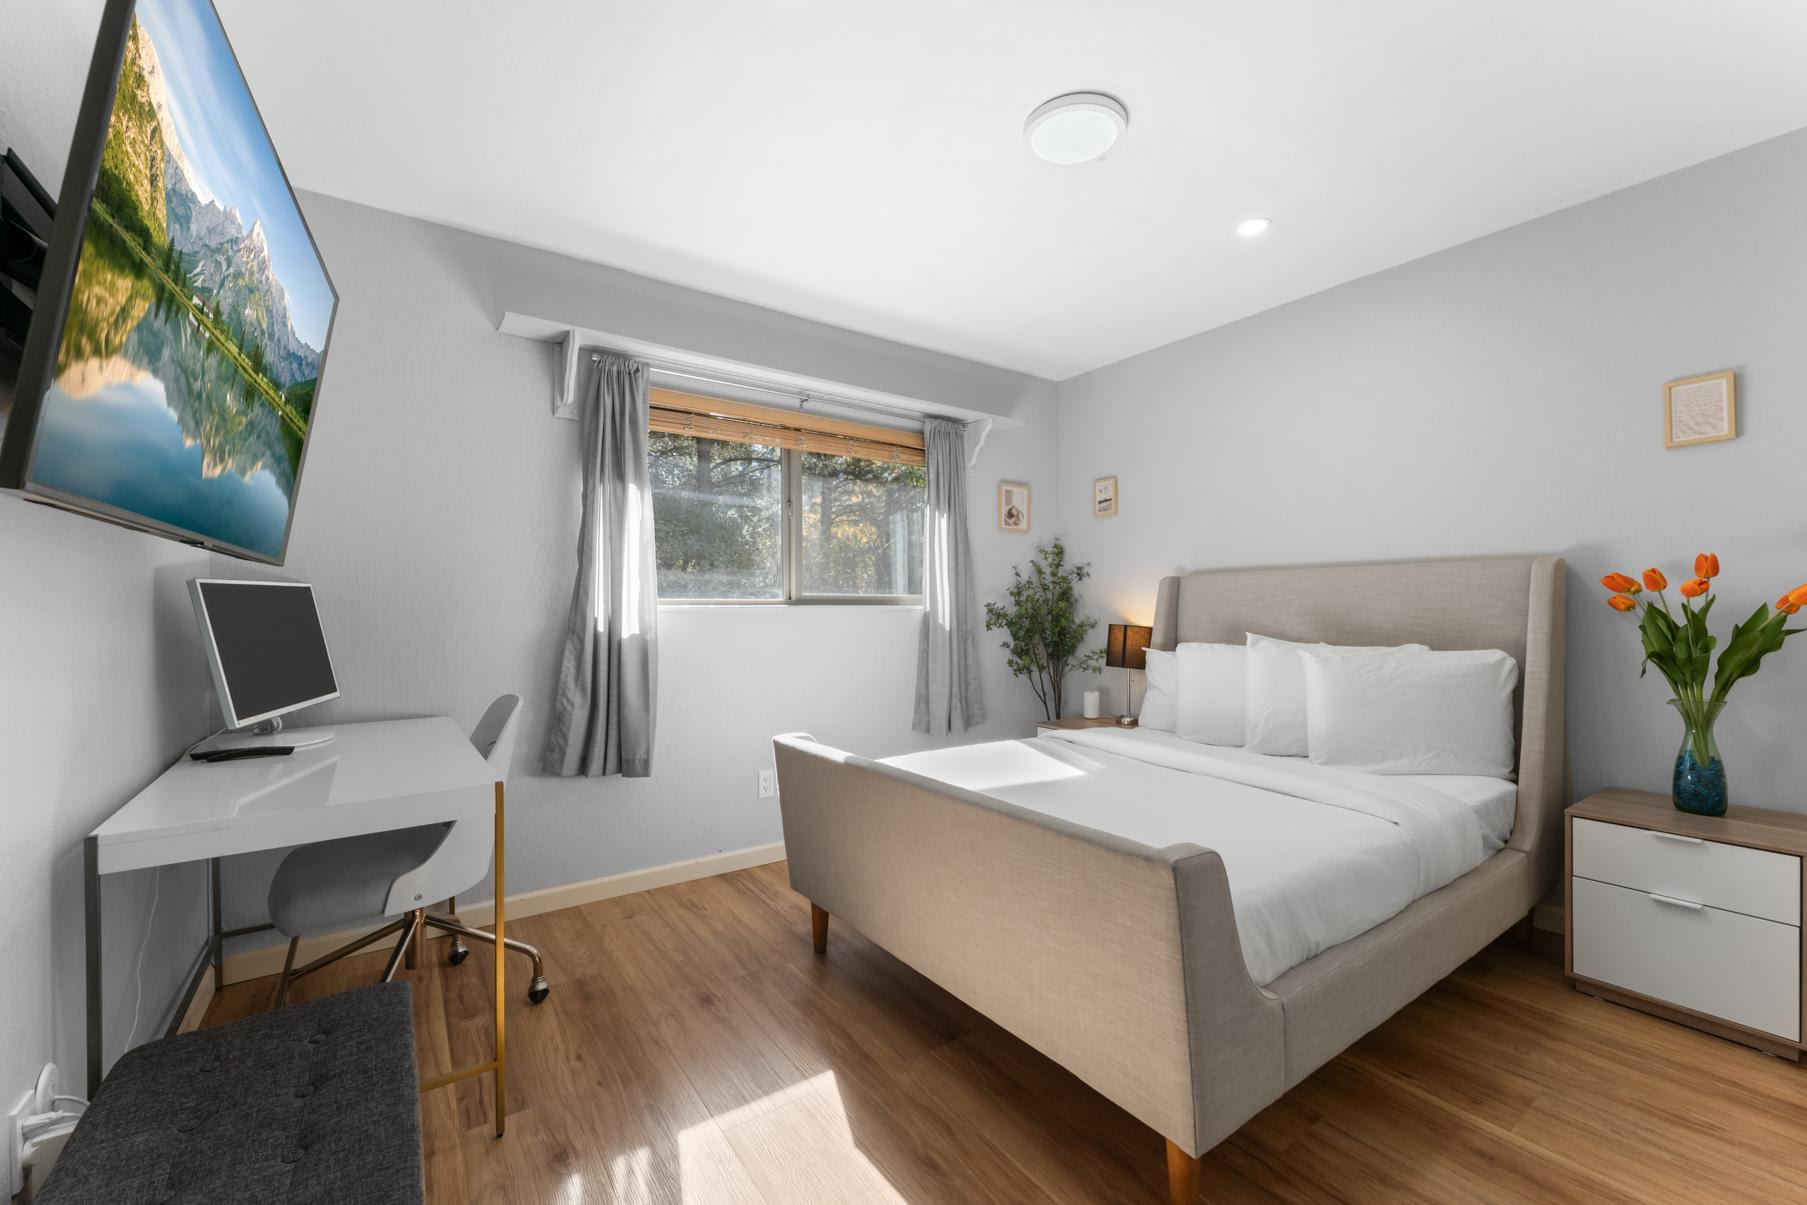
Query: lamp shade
1126, 646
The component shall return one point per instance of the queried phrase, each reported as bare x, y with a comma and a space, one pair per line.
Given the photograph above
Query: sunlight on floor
631, 1175
571, 1192
795, 1145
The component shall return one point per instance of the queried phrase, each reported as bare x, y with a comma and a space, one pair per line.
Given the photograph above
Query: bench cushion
316, 1102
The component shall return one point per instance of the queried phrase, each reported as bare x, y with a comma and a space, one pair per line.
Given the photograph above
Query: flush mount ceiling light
1076, 128
1253, 227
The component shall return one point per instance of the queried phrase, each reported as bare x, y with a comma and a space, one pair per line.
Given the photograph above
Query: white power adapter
36, 1130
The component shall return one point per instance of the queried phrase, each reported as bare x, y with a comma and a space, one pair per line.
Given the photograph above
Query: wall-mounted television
171, 373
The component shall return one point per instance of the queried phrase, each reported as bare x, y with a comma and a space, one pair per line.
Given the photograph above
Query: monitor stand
268, 733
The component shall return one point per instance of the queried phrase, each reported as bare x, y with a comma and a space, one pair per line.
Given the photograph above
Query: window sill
787, 605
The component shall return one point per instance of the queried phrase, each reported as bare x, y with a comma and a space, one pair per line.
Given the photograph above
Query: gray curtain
947, 658
602, 717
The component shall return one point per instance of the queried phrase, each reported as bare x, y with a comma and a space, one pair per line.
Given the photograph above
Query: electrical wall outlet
15, 1140
768, 783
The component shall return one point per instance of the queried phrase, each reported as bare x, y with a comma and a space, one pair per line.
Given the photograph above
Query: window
861, 527
718, 517
759, 505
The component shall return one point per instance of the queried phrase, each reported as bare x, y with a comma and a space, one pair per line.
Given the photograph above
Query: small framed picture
1699, 410
1104, 496
1013, 506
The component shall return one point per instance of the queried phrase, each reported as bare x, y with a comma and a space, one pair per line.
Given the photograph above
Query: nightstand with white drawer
1697, 919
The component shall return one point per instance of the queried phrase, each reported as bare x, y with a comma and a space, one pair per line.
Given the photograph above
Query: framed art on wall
1700, 410
1104, 496
1013, 506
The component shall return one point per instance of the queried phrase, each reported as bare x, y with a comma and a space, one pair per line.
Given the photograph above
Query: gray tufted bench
315, 1102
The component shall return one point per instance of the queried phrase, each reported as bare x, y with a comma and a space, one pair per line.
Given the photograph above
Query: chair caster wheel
538, 990
458, 953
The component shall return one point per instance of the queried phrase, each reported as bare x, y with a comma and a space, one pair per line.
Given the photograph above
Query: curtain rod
803, 396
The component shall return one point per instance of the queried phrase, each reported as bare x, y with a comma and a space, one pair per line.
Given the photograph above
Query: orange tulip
1618, 583
1654, 580
1706, 565
1622, 602
1798, 596
1787, 605
1694, 587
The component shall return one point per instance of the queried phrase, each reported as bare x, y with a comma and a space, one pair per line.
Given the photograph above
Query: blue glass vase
1699, 770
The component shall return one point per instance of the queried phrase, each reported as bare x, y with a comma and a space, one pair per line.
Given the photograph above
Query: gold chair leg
351, 947
417, 945
411, 926
501, 948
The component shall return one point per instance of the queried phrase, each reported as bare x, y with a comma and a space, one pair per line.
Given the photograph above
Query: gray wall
1502, 396
438, 518
103, 684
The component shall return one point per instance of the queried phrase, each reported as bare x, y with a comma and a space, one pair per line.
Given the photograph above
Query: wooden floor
694, 1050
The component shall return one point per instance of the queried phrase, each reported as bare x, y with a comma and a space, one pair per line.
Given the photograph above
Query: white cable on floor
138, 965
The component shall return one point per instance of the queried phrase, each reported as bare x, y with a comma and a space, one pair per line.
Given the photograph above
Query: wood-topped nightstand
1103, 721
1696, 919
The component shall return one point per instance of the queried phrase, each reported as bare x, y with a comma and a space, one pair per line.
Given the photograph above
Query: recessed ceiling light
1076, 128
1253, 227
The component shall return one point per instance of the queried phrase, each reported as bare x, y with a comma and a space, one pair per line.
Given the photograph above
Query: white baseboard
267, 960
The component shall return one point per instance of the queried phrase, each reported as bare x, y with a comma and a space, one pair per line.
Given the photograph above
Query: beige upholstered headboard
1509, 603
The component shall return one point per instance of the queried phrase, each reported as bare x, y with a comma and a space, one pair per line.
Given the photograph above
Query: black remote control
249, 751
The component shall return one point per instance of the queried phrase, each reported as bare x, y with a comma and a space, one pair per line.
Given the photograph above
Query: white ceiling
862, 163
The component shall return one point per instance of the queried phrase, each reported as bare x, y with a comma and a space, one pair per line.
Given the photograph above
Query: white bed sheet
1314, 855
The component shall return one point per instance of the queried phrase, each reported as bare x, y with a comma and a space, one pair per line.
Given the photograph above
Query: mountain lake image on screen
184, 381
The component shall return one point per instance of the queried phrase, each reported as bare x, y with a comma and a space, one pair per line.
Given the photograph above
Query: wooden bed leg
1182, 1175
1521, 932
818, 927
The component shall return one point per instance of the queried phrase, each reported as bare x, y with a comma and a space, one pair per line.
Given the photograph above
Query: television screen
177, 371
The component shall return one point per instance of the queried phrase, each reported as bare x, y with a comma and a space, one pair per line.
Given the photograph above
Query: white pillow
1276, 693
1160, 701
1211, 693
1412, 713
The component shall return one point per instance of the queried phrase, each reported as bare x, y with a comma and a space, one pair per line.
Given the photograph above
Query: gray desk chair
332, 884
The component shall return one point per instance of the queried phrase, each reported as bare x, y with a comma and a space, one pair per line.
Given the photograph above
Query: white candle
1092, 708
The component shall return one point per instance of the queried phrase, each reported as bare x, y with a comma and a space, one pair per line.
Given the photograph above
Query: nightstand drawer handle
1690, 905
1676, 837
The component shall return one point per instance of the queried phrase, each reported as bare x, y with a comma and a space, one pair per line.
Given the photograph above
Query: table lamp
1126, 648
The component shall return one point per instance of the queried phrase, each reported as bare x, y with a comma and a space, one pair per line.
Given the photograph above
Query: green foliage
1045, 631
1682, 652
718, 509
130, 184
1754, 639
174, 264
862, 525
300, 397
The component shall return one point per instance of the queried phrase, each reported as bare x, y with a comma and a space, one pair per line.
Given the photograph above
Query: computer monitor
265, 648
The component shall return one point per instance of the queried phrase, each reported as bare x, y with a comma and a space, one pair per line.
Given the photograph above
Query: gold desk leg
501, 950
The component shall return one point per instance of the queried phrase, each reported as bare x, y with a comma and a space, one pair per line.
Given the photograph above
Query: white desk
369, 778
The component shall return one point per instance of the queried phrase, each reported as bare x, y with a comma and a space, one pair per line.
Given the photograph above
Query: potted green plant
1681, 648
1045, 631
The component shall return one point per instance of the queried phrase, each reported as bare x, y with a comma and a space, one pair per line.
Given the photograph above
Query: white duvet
1314, 855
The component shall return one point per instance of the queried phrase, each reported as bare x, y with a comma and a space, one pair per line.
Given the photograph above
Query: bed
1118, 953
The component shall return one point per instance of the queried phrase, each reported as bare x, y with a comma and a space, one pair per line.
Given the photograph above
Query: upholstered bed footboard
1120, 962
